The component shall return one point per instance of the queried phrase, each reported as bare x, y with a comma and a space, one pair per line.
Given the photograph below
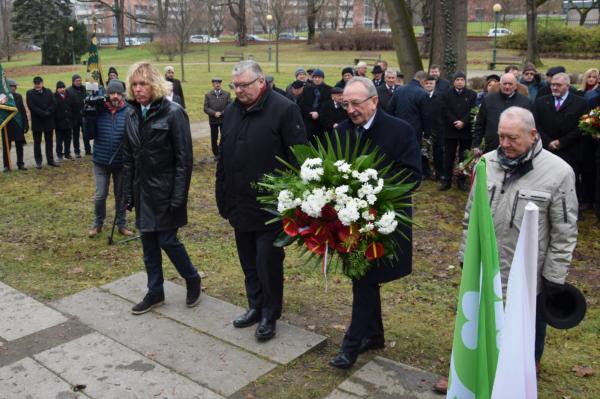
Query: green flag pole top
478, 323
94, 71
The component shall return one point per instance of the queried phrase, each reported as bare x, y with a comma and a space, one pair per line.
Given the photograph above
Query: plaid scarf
517, 167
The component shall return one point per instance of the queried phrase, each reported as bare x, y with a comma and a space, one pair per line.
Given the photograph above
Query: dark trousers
77, 126
438, 157
366, 317
63, 142
262, 264
215, 129
19, 148
37, 146
540, 331
152, 243
450, 147
588, 170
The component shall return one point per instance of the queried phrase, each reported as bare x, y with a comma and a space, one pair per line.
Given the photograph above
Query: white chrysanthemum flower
349, 213
371, 199
387, 223
315, 201
311, 170
286, 201
343, 166
366, 215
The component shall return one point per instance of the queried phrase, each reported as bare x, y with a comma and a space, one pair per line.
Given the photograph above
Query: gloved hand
552, 288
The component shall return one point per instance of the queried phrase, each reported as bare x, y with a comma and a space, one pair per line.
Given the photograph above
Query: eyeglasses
241, 86
354, 103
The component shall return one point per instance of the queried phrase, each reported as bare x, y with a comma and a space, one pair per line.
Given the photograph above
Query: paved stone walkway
89, 345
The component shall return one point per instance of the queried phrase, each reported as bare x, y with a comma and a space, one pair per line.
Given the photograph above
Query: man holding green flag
479, 314
8, 111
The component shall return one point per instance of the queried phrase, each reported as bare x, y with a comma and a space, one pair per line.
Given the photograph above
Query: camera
93, 105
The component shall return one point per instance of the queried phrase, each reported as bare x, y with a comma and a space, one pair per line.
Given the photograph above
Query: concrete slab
27, 378
202, 358
111, 370
383, 378
337, 394
22, 315
214, 317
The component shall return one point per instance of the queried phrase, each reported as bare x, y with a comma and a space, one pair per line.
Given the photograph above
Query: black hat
565, 309
377, 69
336, 90
37, 79
459, 75
492, 77
399, 75
216, 79
115, 86
347, 70
60, 84
318, 72
112, 69
554, 70
298, 84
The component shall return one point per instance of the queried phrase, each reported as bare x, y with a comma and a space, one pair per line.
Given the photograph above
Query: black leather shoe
343, 360
368, 344
251, 317
194, 288
266, 329
53, 164
148, 303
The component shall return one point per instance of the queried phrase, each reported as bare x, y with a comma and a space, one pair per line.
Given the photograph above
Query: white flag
515, 374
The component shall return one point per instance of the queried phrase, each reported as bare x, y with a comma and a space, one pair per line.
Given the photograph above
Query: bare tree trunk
310, 20
239, 16
403, 37
449, 36
533, 52
427, 20
460, 35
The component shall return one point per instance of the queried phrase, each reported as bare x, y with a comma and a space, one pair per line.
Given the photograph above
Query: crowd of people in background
451, 119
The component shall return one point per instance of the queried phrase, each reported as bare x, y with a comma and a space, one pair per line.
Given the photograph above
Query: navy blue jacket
397, 140
410, 104
109, 131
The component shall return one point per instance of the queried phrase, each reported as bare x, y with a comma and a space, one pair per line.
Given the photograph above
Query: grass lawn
197, 78
44, 251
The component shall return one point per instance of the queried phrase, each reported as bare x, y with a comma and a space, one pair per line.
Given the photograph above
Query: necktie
360, 130
144, 112
558, 103
391, 90
317, 99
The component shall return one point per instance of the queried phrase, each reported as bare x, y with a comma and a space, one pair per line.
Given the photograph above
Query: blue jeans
152, 243
102, 175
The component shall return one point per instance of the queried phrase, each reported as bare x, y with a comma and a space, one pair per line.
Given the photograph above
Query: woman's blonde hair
586, 75
149, 74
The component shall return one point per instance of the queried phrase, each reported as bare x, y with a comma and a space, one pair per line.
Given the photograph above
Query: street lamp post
497, 8
71, 29
269, 19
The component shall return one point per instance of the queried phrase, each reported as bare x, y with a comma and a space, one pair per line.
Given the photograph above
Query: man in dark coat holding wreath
260, 126
395, 138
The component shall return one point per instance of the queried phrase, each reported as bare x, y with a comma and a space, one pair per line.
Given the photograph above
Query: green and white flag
94, 70
480, 310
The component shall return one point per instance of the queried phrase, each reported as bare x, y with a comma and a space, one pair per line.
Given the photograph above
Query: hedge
558, 39
355, 39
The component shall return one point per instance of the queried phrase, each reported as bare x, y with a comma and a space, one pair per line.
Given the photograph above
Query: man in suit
260, 127
310, 102
457, 105
492, 105
385, 92
370, 126
435, 131
17, 127
177, 89
215, 102
332, 112
377, 75
557, 119
40, 102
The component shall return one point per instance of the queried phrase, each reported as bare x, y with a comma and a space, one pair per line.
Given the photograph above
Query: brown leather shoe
124, 231
441, 386
94, 231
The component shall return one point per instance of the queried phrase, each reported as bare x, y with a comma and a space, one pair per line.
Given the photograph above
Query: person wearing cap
441, 84
296, 90
299, 74
215, 102
40, 102
109, 129
486, 122
456, 119
16, 128
385, 92
157, 171
347, 74
377, 72
310, 103
177, 88
521, 171
75, 98
490, 81
62, 120
332, 112
532, 80
260, 126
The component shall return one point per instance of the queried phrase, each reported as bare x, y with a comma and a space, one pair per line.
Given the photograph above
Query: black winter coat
330, 115
17, 132
397, 140
435, 106
561, 125
307, 102
250, 141
75, 97
157, 165
409, 103
178, 89
62, 114
457, 107
385, 97
486, 123
41, 106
